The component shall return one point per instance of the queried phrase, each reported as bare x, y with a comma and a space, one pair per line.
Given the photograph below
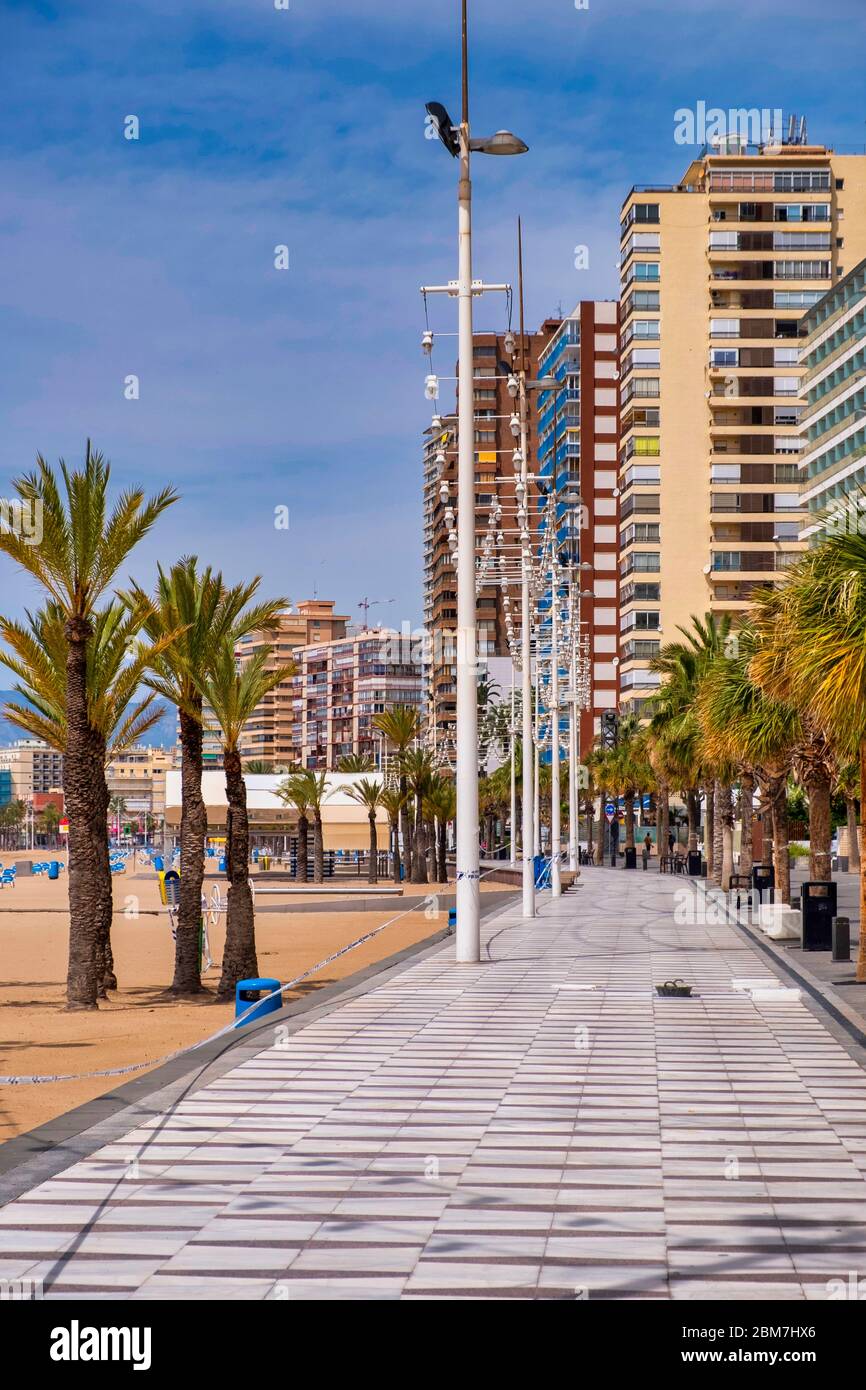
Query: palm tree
369, 795
233, 695
401, 727
83, 547
117, 807
258, 767
417, 765
116, 664
355, 762
51, 822
203, 613
742, 724
442, 801
295, 792
393, 801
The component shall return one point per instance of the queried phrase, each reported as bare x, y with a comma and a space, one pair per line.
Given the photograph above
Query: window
723, 241
724, 328
646, 270
640, 213
801, 270
795, 299
724, 357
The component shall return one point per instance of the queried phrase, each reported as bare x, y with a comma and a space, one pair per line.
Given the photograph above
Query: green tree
233, 695
369, 795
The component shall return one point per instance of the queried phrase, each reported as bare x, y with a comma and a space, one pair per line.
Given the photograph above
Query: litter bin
763, 879
819, 909
158, 863
452, 919
53, 869
693, 866
243, 999
538, 869
264, 862
630, 857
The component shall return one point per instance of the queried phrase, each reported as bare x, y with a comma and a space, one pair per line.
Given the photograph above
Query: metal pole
513, 782
555, 829
536, 801
528, 835
468, 935
573, 731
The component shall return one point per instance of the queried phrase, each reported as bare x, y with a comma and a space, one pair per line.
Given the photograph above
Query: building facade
578, 431
495, 358
338, 689
33, 767
138, 778
833, 360
268, 734
715, 274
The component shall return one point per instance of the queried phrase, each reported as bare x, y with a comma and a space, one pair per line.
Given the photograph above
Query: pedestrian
672, 839
647, 850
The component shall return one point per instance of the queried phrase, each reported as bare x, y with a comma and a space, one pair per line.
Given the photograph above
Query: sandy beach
137, 1024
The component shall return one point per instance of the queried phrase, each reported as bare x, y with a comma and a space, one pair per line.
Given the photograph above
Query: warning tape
222, 1032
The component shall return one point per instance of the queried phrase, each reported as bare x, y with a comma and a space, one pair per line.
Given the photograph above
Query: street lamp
459, 144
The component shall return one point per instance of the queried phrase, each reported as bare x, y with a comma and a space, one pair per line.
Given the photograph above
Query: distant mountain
162, 735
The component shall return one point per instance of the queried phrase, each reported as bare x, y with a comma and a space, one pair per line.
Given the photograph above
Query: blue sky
262, 388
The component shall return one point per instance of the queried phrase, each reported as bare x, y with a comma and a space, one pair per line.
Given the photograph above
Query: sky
262, 388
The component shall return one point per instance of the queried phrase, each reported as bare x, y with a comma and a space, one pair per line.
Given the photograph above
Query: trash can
222, 865
694, 863
763, 879
158, 863
630, 857
538, 869
452, 919
53, 869
269, 1005
264, 862
819, 909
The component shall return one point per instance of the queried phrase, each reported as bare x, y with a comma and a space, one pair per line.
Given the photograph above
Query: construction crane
368, 603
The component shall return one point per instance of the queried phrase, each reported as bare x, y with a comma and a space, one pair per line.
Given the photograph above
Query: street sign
610, 812
63, 826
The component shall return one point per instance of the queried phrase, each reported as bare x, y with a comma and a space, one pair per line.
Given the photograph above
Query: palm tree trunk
302, 873
599, 831
395, 838
105, 976
628, 798
861, 951
419, 861
430, 837
820, 824
779, 819
239, 953
373, 866
725, 817
710, 828
87, 826
747, 822
693, 808
318, 847
442, 866
716, 791
853, 836
193, 833
663, 818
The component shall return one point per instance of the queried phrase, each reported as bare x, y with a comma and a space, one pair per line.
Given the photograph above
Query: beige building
34, 767
715, 274
138, 776
268, 735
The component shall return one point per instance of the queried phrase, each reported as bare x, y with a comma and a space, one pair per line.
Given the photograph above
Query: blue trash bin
538, 870
222, 866
452, 919
158, 863
263, 1007
54, 869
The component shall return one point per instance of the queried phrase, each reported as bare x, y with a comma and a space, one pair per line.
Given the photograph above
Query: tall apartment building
494, 444
268, 734
578, 428
138, 776
833, 359
33, 768
338, 689
716, 271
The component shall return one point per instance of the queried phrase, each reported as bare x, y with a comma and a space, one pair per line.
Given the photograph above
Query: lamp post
555, 830
460, 145
512, 732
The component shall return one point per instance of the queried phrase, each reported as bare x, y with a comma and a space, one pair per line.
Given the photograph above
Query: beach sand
137, 1024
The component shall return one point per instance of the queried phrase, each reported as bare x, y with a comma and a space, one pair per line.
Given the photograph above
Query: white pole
555, 829
536, 800
468, 892
528, 835
573, 731
513, 782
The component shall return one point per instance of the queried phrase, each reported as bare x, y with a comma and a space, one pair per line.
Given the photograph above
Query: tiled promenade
538, 1126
